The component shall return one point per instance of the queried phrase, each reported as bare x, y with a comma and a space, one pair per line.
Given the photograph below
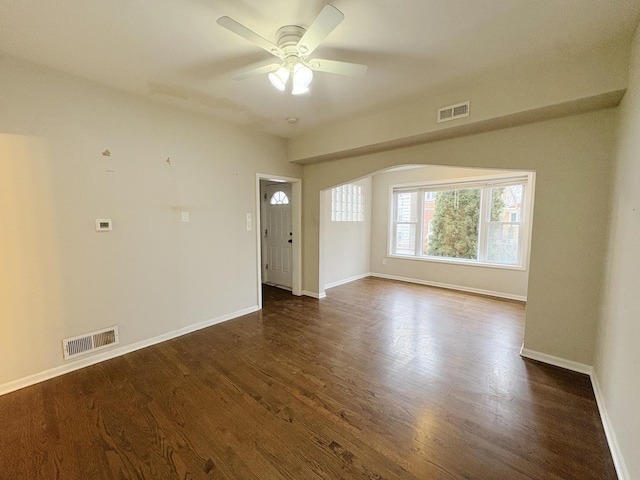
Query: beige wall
495, 281
346, 246
152, 274
568, 84
571, 157
618, 357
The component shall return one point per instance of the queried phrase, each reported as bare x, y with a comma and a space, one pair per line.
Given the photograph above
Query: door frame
296, 223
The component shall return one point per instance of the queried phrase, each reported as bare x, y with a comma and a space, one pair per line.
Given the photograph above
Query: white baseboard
347, 280
557, 361
117, 352
616, 453
452, 287
314, 295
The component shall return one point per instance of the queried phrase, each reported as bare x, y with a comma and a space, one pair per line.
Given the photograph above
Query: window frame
415, 223
485, 183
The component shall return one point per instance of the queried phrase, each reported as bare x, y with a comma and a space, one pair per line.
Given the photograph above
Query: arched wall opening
571, 157
364, 245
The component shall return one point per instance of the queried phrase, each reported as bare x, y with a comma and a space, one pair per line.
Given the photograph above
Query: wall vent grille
90, 342
452, 112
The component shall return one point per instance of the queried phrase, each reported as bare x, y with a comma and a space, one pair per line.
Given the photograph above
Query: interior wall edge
612, 441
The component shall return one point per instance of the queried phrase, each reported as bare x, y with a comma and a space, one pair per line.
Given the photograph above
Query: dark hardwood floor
380, 380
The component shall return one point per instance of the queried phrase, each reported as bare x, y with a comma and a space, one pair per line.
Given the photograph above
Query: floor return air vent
90, 342
452, 112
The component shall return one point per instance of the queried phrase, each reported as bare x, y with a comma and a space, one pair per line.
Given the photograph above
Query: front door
278, 235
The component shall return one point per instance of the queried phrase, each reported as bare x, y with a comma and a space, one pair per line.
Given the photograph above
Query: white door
278, 235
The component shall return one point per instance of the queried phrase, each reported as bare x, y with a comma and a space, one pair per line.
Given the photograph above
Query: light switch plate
185, 217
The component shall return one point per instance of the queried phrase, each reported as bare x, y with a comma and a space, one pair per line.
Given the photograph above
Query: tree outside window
478, 223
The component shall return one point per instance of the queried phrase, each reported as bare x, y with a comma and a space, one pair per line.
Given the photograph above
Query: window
503, 227
347, 203
279, 198
481, 221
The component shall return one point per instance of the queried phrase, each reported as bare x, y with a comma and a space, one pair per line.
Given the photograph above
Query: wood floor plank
380, 380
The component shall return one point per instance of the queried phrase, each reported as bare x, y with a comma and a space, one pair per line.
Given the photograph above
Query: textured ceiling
173, 50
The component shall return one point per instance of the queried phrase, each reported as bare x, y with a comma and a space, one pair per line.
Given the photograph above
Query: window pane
279, 198
405, 239
428, 211
503, 242
506, 204
455, 224
406, 207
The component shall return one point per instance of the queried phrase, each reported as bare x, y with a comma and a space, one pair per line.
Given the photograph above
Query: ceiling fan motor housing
287, 39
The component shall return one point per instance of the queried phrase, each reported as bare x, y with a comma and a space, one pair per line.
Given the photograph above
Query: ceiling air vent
90, 342
452, 112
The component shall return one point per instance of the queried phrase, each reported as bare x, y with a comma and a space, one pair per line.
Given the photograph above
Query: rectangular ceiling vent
90, 342
452, 112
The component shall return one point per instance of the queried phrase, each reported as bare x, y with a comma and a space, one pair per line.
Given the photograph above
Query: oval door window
279, 198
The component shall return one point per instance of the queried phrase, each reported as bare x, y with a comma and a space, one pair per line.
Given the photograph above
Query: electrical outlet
103, 225
384, 261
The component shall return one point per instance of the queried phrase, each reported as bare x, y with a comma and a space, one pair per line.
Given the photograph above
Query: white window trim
469, 182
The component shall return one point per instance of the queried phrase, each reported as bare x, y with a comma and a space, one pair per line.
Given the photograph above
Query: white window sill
459, 261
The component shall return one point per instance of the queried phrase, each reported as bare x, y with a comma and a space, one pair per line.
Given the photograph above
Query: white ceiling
173, 50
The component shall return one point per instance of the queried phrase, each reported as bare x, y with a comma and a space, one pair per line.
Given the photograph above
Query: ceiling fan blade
272, 67
239, 29
340, 68
328, 19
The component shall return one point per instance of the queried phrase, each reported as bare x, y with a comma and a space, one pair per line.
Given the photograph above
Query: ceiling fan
293, 47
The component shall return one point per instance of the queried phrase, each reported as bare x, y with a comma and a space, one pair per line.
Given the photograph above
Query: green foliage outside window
455, 222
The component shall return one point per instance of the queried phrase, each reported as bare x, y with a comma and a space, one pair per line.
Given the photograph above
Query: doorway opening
279, 233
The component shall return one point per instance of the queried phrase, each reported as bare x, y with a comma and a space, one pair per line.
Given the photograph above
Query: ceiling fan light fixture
302, 76
299, 90
279, 78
